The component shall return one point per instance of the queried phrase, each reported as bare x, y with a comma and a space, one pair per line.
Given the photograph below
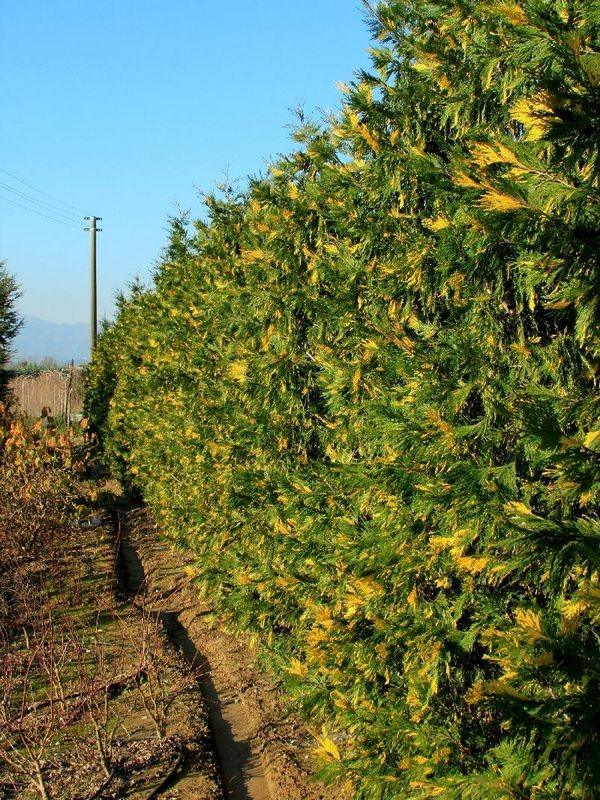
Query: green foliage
365, 393
9, 320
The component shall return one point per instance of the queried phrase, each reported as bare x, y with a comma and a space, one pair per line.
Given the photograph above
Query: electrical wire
35, 189
41, 203
40, 214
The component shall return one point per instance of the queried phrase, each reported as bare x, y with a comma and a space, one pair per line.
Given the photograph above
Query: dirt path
263, 753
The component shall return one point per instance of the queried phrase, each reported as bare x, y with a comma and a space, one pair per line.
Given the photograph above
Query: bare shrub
166, 677
38, 471
102, 677
33, 706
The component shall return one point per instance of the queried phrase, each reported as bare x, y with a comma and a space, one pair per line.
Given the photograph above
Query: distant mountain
39, 339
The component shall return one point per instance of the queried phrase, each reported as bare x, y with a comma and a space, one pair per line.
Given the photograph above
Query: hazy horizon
40, 339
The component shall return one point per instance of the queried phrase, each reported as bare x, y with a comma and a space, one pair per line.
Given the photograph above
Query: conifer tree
9, 320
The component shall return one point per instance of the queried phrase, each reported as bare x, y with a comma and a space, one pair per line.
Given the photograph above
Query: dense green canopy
9, 320
364, 392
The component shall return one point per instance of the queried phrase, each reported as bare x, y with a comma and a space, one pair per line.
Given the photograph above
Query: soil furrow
241, 765
264, 753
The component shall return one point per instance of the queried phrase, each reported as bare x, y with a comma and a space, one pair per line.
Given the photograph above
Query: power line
36, 201
40, 214
41, 203
35, 189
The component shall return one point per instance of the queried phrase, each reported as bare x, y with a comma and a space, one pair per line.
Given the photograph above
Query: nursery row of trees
364, 392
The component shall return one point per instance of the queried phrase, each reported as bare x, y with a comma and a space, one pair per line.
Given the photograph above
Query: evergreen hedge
364, 392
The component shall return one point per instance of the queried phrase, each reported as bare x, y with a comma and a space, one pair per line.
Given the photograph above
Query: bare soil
264, 754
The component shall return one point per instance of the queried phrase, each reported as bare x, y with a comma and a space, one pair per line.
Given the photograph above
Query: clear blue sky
126, 108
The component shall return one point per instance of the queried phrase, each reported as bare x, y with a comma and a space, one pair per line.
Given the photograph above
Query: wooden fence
60, 391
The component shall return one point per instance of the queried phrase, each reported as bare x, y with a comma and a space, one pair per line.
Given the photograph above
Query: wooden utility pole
93, 290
